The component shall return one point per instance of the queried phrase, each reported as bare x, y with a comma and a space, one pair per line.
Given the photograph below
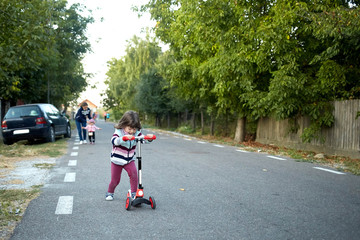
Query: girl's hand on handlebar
148, 137
128, 137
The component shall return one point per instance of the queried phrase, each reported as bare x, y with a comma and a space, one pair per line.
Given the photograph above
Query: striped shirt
122, 152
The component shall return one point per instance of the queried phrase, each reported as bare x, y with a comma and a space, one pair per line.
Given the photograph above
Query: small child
91, 130
123, 152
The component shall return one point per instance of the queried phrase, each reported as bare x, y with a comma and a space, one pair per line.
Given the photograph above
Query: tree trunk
240, 130
168, 120
193, 121
1, 112
202, 122
226, 125
157, 121
212, 126
186, 116
178, 120
5, 105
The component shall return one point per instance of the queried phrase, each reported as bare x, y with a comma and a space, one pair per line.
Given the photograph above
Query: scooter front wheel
128, 203
152, 202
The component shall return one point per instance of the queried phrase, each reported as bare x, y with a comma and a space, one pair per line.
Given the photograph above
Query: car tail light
3, 125
40, 120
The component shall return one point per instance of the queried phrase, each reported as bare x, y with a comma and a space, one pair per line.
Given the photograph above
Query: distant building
71, 111
91, 105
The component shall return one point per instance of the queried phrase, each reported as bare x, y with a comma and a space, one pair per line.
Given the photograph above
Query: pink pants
116, 176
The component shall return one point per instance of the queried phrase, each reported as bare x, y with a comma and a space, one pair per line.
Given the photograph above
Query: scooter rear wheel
128, 203
153, 203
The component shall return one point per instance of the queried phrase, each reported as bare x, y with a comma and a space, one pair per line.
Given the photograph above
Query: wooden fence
343, 138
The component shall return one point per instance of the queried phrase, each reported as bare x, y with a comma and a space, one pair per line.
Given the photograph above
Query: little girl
91, 130
123, 152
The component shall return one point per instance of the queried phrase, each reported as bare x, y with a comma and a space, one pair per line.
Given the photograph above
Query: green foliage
151, 96
42, 44
185, 129
22, 42
123, 76
281, 58
309, 69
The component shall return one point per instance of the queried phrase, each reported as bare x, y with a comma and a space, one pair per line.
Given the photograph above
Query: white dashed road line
74, 154
238, 150
72, 163
273, 157
220, 146
70, 177
277, 158
65, 205
328, 170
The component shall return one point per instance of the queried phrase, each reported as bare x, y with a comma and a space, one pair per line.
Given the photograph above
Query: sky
108, 38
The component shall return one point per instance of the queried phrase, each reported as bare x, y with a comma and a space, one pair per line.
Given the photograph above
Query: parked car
34, 121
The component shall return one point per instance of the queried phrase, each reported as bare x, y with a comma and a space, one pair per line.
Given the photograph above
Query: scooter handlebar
153, 137
127, 138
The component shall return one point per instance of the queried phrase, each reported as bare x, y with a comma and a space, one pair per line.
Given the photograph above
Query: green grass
72, 124
44, 165
13, 204
185, 130
26, 149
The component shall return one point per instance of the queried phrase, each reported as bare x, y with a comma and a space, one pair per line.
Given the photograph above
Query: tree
23, 27
151, 96
263, 58
123, 76
310, 49
42, 44
215, 47
68, 78
167, 67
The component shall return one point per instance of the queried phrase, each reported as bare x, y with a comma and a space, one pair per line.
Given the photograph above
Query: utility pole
48, 48
1, 115
1, 109
48, 87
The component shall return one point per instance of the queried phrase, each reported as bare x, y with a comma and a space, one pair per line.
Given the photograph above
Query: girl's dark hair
83, 104
131, 119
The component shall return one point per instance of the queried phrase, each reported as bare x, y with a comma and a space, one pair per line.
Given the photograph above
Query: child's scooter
139, 198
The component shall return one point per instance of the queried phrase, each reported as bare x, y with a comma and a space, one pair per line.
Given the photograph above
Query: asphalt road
202, 191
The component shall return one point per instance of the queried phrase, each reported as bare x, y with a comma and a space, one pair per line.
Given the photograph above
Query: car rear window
18, 112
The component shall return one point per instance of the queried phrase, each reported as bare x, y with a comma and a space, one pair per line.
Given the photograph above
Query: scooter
139, 198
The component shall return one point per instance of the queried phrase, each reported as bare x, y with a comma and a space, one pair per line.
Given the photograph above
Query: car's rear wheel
7, 141
51, 135
68, 131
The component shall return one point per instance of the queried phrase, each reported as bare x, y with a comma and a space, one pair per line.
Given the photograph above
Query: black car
34, 121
